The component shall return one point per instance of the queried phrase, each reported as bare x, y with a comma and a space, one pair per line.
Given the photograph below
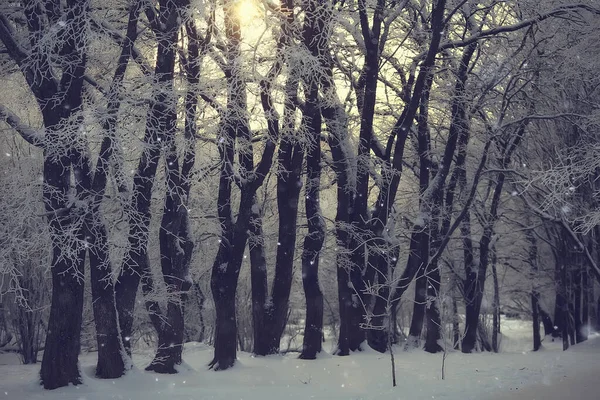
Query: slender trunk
432, 312
423, 236
535, 307
418, 315
577, 274
455, 324
350, 335
234, 235
495, 304
313, 242
562, 306
258, 283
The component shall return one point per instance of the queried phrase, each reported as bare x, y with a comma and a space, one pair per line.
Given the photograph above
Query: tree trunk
350, 335
455, 324
432, 312
60, 365
313, 242
496, 304
418, 316
110, 348
578, 306
225, 326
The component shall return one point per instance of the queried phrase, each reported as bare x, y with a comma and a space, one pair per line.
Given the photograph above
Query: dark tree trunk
111, 363
61, 352
313, 327
201, 300
176, 249
111, 356
259, 285
350, 335
585, 306
496, 304
535, 307
559, 300
432, 312
225, 327
313, 242
423, 286
562, 306
535, 316
577, 299
360, 274
270, 317
418, 315
455, 324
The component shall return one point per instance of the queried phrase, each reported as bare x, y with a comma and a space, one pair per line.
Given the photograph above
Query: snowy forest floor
515, 373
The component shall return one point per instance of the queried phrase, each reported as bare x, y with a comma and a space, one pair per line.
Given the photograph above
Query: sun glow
247, 10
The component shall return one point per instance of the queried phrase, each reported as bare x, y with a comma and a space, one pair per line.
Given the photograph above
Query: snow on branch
29, 134
514, 27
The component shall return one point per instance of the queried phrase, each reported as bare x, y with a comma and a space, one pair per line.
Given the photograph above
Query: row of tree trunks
378, 338
571, 312
474, 283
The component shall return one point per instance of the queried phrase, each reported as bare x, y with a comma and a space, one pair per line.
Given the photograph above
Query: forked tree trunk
234, 235
160, 123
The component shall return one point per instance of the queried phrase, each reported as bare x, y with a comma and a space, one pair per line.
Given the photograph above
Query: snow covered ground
513, 374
